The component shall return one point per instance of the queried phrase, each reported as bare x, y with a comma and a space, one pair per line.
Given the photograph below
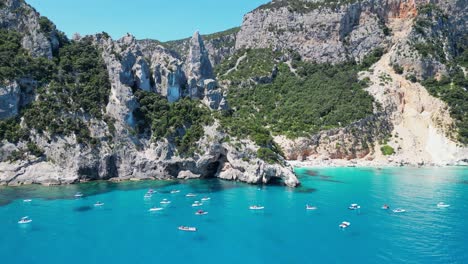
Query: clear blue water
67, 230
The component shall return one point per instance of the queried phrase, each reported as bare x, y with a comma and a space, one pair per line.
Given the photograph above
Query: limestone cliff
115, 147
415, 124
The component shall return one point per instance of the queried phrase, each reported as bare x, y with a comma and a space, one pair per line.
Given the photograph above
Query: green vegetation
397, 68
16, 63
34, 149
79, 90
371, 58
267, 155
315, 98
46, 25
181, 121
431, 19
72, 88
11, 130
257, 63
387, 150
221, 34
433, 27
434, 49
452, 90
461, 48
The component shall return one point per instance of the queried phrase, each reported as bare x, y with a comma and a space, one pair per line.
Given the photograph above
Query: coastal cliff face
420, 40
117, 140
358, 82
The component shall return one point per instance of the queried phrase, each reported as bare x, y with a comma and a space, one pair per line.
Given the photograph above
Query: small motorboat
154, 209
187, 228
78, 195
206, 199
443, 205
385, 207
27, 200
201, 212
148, 195
354, 207
98, 204
150, 191
196, 203
175, 191
24, 220
190, 195
256, 207
344, 224
399, 210
165, 201
309, 207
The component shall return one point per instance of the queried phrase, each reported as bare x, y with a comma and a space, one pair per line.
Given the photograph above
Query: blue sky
157, 19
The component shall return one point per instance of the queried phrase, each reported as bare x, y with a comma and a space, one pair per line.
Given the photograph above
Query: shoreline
367, 164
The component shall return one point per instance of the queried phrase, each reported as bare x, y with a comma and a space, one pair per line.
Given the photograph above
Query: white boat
24, 220
78, 195
147, 196
399, 210
27, 200
197, 204
443, 205
256, 207
201, 212
354, 207
344, 224
150, 191
98, 204
165, 201
187, 228
385, 207
190, 195
206, 199
154, 209
308, 207
175, 191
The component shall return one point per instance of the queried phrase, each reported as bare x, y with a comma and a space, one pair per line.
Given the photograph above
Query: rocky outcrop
348, 31
69, 163
39, 35
198, 66
169, 76
433, 40
15, 95
9, 100
330, 31
219, 45
355, 141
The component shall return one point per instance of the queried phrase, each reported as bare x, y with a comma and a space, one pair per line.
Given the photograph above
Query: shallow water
68, 230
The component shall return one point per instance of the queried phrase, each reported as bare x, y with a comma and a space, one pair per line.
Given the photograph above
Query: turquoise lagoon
68, 230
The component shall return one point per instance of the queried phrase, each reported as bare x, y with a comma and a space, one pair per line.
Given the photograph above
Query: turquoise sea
69, 230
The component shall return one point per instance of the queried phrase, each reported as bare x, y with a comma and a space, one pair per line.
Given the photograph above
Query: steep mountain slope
418, 40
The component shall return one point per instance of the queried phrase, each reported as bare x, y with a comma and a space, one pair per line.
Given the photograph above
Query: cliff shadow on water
9, 194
